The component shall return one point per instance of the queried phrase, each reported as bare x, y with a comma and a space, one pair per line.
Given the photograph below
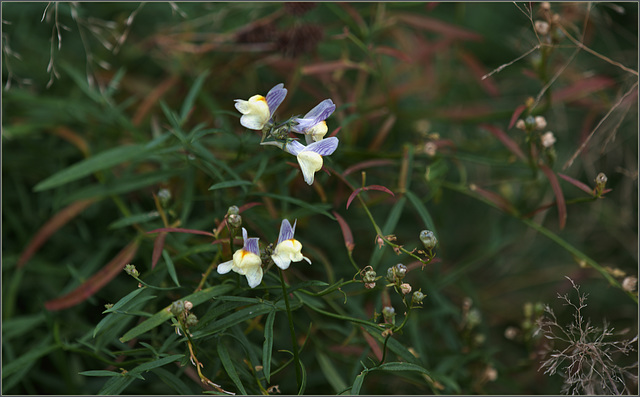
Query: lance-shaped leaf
346, 232
505, 139
370, 187
557, 190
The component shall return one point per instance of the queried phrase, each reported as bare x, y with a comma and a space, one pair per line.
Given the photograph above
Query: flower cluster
258, 114
247, 261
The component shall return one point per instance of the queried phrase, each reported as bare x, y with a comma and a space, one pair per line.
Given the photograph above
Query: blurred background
428, 96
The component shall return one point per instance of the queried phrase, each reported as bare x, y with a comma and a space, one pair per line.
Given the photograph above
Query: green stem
294, 341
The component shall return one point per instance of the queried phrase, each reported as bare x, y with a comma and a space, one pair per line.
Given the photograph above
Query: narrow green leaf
155, 364
18, 326
191, 96
99, 162
99, 373
267, 346
422, 211
224, 185
170, 267
401, 366
116, 385
303, 383
119, 304
317, 208
164, 314
223, 354
330, 373
42, 349
357, 384
172, 381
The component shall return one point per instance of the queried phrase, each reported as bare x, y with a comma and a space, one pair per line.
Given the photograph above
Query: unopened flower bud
188, 305
234, 220
545, 6
131, 270
417, 297
428, 239
542, 27
511, 332
369, 285
401, 271
630, 283
177, 308
601, 181
233, 210
541, 122
164, 195
369, 276
192, 320
405, 288
389, 314
548, 139
430, 149
530, 123
390, 275
520, 124
108, 306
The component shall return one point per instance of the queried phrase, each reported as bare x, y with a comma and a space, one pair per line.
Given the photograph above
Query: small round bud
545, 6
281, 132
630, 284
369, 276
417, 297
548, 139
428, 239
401, 271
530, 123
541, 122
131, 270
233, 210
188, 305
601, 180
474, 317
164, 195
389, 314
542, 27
177, 308
234, 220
369, 285
405, 288
520, 124
430, 149
511, 332
192, 320
391, 275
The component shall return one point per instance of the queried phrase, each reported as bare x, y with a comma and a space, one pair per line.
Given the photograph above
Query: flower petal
316, 115
282, 261
225, 267
294, 147
254, 277
286, 231
324, 147
252, 246
275, 96
310, 162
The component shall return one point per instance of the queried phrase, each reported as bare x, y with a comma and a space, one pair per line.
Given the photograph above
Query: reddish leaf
181, 230
495, 198
158, 244
516, 114
372, 344
436, 25
505, 139
393, 53
96, 282
335, 132
582, 88
479, 71
577, 183
329, 67
366, 164
346, 232
353, 195
56, 222
380, 188
557, 190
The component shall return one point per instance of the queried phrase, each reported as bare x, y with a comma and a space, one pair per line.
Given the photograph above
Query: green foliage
119, 130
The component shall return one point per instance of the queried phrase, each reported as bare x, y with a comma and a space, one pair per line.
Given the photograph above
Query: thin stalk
294, 341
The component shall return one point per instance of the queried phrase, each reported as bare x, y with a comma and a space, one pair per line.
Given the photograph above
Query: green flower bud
233, 210
530, 122
164, 195
389, 314
428, 239
131, 270
390, 275
369, 276
192, 320
417, 297
601, 181
177, 308
234, 220
401, 271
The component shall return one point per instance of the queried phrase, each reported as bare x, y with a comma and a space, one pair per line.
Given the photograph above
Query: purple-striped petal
286, 231
319, 113
294, 147
252, 246
324, 147
275, 96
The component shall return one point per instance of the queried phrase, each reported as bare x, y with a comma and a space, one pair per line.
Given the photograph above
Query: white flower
246, 261
258, 110
548, 139
310, 157
313, 124
288, 249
